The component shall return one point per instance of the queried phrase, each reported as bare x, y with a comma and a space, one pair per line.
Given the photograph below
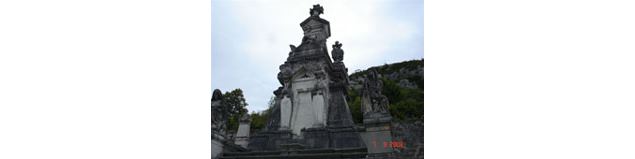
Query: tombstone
242, 135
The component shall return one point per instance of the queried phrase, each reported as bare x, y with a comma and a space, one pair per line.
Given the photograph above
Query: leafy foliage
355, 105
235, 100
389, 68
259, 119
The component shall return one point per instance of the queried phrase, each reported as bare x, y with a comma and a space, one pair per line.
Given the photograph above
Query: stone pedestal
269, 140
217, 145
377, 135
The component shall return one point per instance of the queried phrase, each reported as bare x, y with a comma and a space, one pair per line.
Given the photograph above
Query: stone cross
316, 10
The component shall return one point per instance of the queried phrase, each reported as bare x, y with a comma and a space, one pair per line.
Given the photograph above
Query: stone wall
411, 134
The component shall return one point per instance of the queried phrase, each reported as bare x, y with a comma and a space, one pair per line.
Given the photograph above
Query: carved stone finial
337, 44
245, 118
316, 10
337, 52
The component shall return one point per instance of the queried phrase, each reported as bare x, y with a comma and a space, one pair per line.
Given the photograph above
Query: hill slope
403, 85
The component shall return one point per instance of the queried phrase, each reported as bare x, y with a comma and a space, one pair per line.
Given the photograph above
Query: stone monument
376, 117
310, 117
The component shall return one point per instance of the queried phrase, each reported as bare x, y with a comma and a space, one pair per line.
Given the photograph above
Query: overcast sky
251, 38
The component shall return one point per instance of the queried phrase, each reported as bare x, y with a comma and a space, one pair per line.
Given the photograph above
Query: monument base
217, 145
350, 153
324, 142
378, 136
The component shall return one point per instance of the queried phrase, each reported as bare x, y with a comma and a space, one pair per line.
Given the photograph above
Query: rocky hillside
403, 85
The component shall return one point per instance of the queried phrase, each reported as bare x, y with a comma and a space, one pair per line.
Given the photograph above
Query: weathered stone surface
310, 107
377, 141
374, 103
242, 135
411, 134
293, 153
218, 120
285, 112
310, 116
337, 53
217, 148
269, 140
219, 113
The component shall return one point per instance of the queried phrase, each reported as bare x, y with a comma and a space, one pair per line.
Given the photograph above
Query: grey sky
251, 38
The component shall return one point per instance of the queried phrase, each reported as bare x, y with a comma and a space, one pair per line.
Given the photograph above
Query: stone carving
292, 47
372, 99
308, 39
219, 112
337, 53
316, 10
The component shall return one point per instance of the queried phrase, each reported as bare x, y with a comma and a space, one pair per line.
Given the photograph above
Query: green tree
259, 119
391, 90
355, 105
235, 100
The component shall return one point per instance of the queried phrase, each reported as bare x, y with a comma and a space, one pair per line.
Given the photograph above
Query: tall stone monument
310, 116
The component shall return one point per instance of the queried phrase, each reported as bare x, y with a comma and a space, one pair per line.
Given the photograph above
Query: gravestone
242, 135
